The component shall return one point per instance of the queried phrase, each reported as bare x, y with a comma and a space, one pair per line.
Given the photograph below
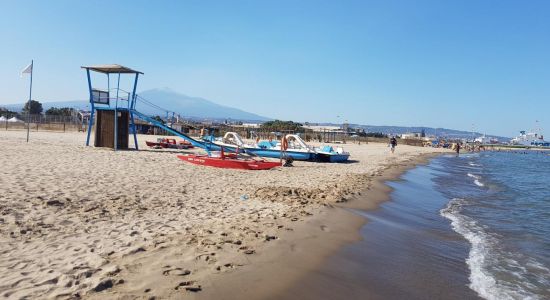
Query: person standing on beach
457, 148
393, 143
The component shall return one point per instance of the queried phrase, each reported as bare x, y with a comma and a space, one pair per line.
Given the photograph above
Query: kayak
229, 161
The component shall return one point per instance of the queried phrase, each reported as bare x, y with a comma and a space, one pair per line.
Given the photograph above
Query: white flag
27, 70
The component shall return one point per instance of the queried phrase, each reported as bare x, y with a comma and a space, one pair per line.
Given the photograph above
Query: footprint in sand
227, 266
176, 272
206, 257
247, 250
185, 284
270, 238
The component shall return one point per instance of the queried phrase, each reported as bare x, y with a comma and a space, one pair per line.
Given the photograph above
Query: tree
377, 135
281, 125
65, 111
35, 107
52, 111
159, 119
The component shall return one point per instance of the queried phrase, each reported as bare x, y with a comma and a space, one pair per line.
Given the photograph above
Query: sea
473, 226
500, 203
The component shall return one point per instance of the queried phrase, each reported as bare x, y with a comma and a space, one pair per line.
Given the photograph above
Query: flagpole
29, 102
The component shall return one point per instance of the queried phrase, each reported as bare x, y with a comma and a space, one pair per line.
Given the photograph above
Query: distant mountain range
195, 107
186, 106
429, 131
199, 109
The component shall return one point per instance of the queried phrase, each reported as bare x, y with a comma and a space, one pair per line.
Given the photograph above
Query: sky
482, 64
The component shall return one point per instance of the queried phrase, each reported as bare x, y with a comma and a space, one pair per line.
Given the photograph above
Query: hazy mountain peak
191, 106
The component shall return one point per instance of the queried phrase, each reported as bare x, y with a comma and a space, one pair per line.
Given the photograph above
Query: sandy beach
88, 222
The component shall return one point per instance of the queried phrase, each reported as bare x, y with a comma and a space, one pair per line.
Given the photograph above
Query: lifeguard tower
112, 109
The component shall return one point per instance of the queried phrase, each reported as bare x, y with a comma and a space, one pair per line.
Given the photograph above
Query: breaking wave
485, 259
476, 179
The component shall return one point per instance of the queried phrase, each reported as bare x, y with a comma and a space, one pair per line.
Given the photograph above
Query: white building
324, 128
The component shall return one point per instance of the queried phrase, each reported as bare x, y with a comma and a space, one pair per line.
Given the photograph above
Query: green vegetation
34, 107
158, 118
64, 111
376, 135
281, 125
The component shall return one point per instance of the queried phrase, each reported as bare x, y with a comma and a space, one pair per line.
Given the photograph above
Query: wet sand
406, 251
310, 263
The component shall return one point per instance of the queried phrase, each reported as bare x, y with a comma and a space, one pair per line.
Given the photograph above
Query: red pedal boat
169, 143
229, 161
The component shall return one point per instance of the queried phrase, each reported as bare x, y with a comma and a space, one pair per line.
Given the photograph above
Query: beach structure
114, 111
112, 108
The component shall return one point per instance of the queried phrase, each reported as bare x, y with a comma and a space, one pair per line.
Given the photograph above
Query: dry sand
88, 222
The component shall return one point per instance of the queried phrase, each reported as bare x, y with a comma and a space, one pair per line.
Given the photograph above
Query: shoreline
144, 224
407, 249
311, 243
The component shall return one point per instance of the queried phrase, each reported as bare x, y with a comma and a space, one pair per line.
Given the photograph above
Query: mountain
188, 106
159, 99
429, 131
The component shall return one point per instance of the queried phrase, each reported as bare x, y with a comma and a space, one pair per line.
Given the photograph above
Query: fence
45, 123
74, 123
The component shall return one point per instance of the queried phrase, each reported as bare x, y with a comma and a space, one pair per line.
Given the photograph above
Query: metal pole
132, 106
91, 120
29, 102
116, 113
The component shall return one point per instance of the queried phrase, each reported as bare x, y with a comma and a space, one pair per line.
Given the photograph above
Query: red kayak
229, 161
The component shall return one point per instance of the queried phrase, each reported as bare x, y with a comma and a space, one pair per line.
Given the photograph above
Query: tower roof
110, 69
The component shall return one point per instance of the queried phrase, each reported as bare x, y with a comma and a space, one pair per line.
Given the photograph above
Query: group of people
393, 143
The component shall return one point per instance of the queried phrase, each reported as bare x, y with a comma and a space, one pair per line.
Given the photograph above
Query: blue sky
412, 63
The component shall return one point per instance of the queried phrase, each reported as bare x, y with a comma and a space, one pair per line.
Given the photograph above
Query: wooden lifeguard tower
113, 116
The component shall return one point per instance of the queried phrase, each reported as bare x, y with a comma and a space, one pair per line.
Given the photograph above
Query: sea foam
482, 256
473, 176
477, 178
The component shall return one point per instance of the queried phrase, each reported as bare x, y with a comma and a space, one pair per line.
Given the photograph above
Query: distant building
251, 125
325, 128
412, 135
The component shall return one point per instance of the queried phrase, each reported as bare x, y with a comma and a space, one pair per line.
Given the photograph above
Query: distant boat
297, 149
530, 139
486, 140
